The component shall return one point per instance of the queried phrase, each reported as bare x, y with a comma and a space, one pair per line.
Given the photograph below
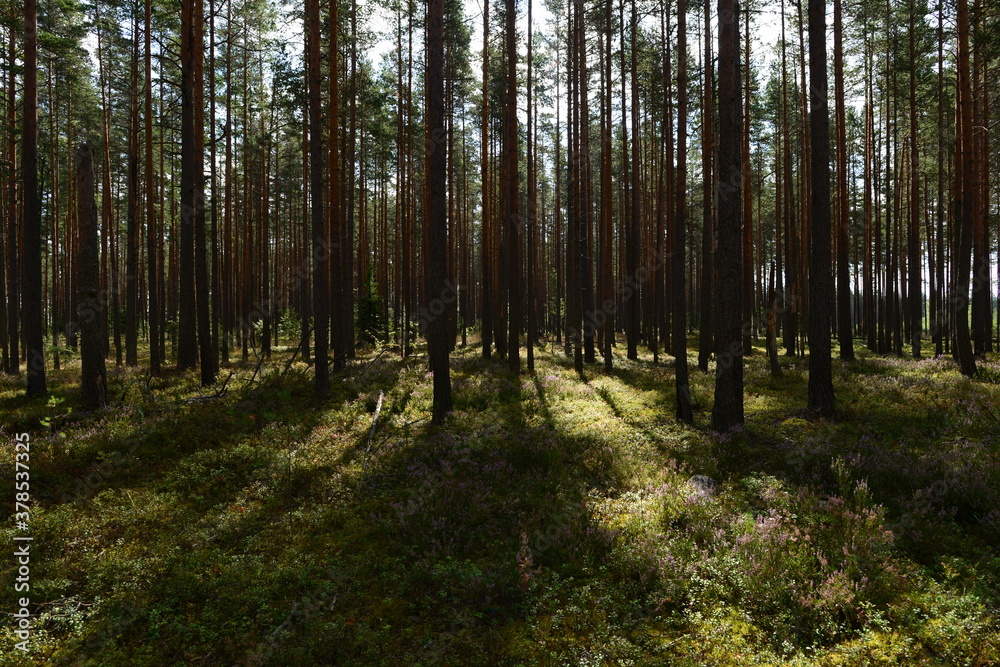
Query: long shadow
544, 402
165, 433
483, 507
219, 473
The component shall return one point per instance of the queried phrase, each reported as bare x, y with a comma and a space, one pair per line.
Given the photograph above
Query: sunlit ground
550, 521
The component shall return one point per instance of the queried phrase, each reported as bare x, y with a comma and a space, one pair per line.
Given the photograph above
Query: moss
548, 521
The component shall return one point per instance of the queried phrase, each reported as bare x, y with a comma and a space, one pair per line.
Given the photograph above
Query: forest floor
551, 521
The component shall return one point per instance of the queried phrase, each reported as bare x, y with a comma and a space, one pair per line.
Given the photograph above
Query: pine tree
437, 230
31, 264
727, 413
93, 381
821, 397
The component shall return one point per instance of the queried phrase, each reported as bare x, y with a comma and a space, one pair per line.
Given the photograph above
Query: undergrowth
549, 521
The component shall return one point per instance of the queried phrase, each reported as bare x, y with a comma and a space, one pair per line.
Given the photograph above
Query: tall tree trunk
4, 243
632, 236
151, 233
681, 383
132, 206
228, 270
915, 290
727, 413
320, 245
187, 345
804, 246
585, 228
31, 277
437, 230
844, 327
216, 279
707, 292
512, 217
532, 291
13, 257
52, 266
607, 228
347, 308
821, 397
207, 355
870, 307
662, 267
562, 267
93, 382
965, 195
749, 303
790, 296
336, 286
574, 268
486, 250
938, 325
981, 272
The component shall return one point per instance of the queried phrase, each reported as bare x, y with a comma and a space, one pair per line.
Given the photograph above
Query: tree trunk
347, 308
844, 326
965, 196
486, 233
31, 276
93, 382
585, 228
632, 236
915, 289
870, 309
532, 291
207, 355
512, 217
820, 288
706, 324
132, 215
336, 287
320, 245
681, 386
11, 223
187, 346
437, 230
749, 302
151, 233
727, 413
607, 226
216, 278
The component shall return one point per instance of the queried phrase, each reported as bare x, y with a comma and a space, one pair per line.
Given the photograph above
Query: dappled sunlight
549, 515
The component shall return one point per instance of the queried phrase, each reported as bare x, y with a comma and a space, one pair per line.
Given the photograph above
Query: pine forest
500, 332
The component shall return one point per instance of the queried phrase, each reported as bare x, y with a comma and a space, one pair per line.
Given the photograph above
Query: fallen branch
210, 397
147, 389
288, 364
344, 354
408, 424
368, 365
371, 434
378, 410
